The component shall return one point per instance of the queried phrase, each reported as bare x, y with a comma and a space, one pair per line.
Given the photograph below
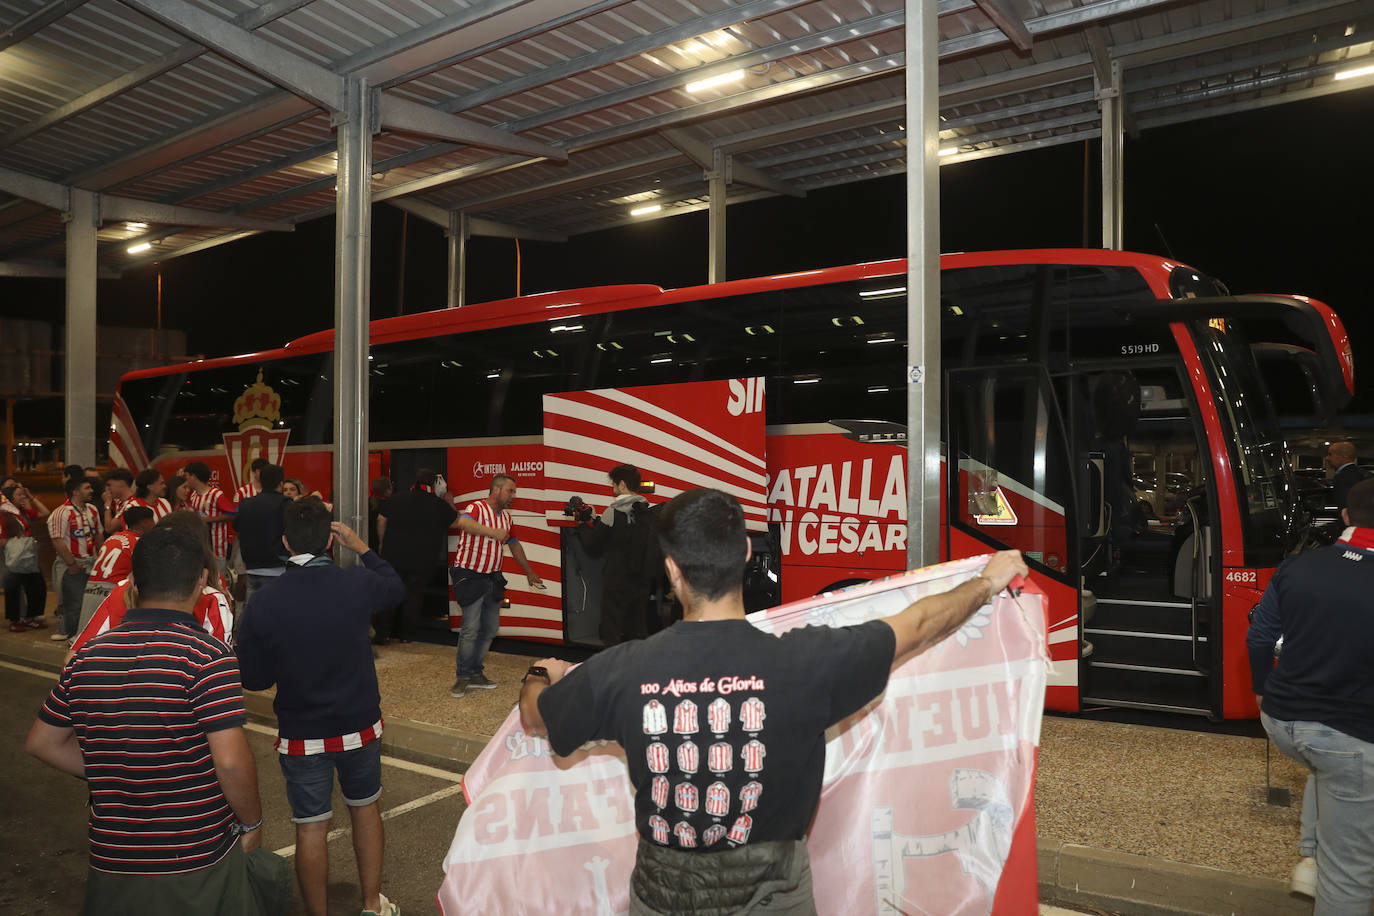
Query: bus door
1148, 544
1010, 485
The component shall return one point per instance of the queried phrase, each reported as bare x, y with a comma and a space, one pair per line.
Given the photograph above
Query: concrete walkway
1086, 771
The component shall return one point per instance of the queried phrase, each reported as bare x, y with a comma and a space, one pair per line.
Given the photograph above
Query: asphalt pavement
43, 848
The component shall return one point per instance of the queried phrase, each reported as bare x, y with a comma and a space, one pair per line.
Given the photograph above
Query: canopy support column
458, 231
1110, 100
718, 180
355, 124
923, 283
79, 362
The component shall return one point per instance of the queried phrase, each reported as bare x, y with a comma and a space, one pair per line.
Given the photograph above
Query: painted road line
287, 852
50, 675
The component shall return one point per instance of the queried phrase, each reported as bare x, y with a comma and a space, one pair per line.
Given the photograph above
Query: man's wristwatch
537, 671
240, 828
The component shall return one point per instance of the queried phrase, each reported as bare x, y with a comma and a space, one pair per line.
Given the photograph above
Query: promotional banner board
926, 806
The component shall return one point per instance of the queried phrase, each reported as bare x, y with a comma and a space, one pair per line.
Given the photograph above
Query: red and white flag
925, 805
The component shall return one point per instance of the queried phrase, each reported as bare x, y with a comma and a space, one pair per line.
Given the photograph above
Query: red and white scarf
1362, 538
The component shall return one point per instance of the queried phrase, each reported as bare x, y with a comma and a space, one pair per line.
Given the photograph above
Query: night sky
1277, 200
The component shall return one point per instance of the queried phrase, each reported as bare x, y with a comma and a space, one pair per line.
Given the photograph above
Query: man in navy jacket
308, 634
259, 526
1317, 702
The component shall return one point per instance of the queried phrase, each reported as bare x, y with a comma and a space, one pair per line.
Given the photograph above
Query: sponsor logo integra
485, 469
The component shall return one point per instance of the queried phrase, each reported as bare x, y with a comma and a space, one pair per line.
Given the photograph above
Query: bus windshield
1264, 485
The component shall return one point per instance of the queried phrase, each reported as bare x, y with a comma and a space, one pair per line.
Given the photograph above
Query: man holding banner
723, 725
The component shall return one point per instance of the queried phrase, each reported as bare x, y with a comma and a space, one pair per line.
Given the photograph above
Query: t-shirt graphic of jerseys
734, 762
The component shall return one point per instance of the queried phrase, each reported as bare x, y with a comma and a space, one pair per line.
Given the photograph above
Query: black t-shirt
723, 725
417, 524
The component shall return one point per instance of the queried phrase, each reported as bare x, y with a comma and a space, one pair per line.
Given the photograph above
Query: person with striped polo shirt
478, 586
76, 536
151, 715
214, 506
308, 633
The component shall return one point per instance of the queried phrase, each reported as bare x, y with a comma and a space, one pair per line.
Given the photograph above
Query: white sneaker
1304, 880
385, 908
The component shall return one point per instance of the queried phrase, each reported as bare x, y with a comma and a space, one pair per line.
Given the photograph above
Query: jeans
481, 620
1340, 795
71, 592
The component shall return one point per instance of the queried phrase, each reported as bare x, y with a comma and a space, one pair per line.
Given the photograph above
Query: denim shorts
310, 780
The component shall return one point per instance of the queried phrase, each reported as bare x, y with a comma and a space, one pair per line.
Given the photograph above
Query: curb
1120, 882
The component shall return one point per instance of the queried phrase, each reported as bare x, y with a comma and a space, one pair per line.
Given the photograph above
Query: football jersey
209, 504
116, 557
212, 612
77, 528
160, 506
476, 552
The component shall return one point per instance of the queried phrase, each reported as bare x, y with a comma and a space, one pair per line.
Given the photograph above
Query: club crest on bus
257, 413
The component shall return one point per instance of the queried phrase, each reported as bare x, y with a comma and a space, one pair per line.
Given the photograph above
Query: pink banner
926, 805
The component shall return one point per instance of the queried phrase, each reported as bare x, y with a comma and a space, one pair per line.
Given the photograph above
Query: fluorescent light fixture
493, 375
140, 247
875, 293
1356, 73
641, 211
805, 381
949, 151
877, 389
661, 359
135, 227
565, 327
875, 340
711, 82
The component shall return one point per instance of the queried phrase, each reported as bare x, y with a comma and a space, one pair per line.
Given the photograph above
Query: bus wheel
843, 583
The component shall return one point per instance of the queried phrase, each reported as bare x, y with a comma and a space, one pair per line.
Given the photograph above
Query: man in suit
412, 535
1340, 457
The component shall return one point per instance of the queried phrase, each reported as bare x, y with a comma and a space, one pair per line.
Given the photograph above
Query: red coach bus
1103, 412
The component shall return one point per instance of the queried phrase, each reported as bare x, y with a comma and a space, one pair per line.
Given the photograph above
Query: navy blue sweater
1322, 604
307, 632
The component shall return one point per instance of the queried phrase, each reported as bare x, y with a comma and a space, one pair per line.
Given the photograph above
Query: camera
577, 509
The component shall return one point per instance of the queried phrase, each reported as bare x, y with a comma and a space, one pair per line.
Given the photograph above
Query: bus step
1144, 649
1149, 681
1136, 618
1136, 704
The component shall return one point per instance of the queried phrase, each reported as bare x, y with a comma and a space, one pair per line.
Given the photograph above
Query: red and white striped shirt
159, 506
115, 559
245, 491
209, 504
212, 612
302, 747
477, 552
77, 528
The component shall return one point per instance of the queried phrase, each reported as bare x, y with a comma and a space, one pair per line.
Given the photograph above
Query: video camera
579, 510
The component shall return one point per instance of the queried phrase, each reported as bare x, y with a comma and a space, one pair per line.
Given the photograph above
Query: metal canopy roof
115, 97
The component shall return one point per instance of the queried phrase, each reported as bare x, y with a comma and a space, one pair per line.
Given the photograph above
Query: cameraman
621, 536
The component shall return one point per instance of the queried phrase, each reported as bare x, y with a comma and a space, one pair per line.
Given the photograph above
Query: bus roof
564, 304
